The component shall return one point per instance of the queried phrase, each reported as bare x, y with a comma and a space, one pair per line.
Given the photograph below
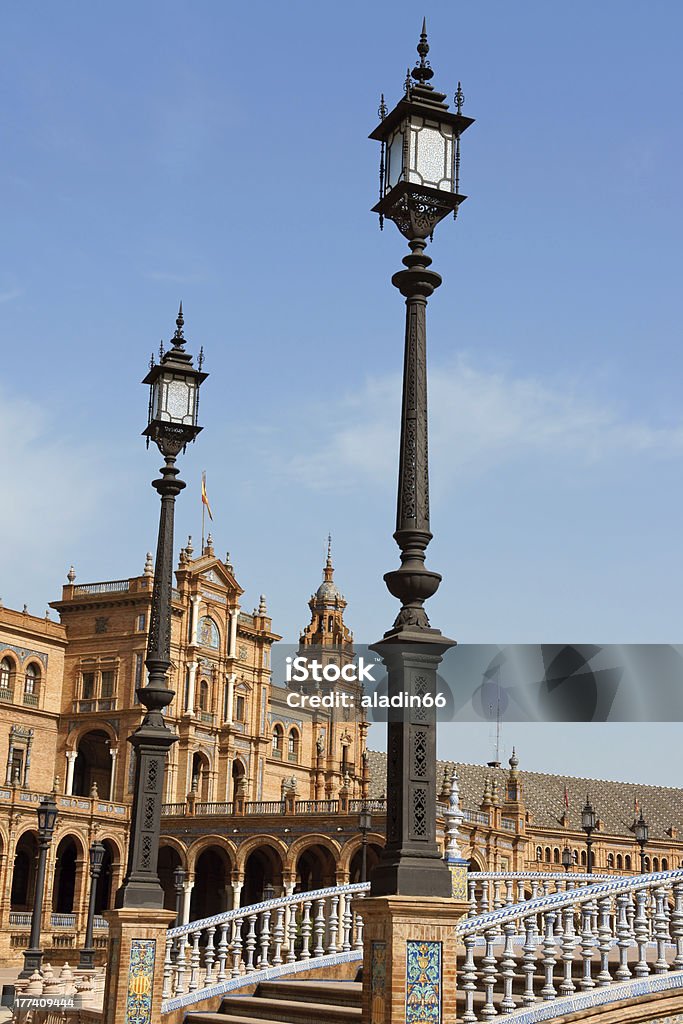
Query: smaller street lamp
268, 892
86, 960
567, 858
47, 816
179, 877
364, 824
588, 826
642, 832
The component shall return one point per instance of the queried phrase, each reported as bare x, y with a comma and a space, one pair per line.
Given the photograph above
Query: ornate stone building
258, 793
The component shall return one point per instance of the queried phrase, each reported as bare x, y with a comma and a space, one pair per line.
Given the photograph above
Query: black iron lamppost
179, 883
567, 858
364, 824
588, 826
268, 891
642, 835
86, 960
47, 816
173, 407
419, 172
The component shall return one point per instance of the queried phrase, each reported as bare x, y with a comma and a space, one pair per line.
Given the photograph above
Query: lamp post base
33, 961
86, 959
137, 946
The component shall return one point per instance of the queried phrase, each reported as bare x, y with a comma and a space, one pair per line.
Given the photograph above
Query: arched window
208, 633
6, 668
203, 695
293, 745
556, 856
278, 740
665, 864
31, 683
655, 863
647, 863
330, 623
583, 858
547, 854
620, 862
627, 862
539, 853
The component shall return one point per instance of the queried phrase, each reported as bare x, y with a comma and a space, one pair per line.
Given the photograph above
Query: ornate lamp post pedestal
409, 971
137, 927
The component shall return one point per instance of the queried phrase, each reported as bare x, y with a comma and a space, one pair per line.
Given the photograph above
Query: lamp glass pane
431, 155
395, 159
177, 403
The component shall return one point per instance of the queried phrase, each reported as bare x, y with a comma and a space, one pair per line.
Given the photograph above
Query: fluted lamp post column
419, 180
47, 817
86, 959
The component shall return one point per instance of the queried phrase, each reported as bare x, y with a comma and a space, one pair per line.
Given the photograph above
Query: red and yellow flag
205, 500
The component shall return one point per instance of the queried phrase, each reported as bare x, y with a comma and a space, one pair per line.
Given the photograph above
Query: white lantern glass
394, 172
431, 154
174, 399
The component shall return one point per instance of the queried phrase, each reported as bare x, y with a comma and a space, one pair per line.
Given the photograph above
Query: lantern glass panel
430, 160
394, 160
174, 399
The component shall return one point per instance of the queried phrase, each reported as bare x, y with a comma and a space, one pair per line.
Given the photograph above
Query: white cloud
53, 490
479, 419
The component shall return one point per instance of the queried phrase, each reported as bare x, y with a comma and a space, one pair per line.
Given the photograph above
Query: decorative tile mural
423, 982
140, 979
458, 870
378, 981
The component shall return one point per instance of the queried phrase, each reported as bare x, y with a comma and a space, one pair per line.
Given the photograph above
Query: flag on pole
566, 799
636, 806
205, 500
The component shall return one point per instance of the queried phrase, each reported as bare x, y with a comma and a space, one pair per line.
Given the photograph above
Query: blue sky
218, 154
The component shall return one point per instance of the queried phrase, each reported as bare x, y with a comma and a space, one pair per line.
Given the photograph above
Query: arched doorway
356, 864
103, 893
169, 860
200, 775
238, 773
64, 886
93, 764
262, 867
211, 893
24, 872
315, 868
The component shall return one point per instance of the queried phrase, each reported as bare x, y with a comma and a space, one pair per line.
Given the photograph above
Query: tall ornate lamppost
642, 832
419, 178
364, 825
47, 817
588, 825
86, 960
567, 858
173, 407
179, 876
137, 925
411, 911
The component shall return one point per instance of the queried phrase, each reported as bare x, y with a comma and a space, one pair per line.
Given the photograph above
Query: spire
179, 324
422, 72
262, 608
328, 571
514, 761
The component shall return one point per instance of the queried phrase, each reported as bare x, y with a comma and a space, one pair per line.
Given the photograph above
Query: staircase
292, 1002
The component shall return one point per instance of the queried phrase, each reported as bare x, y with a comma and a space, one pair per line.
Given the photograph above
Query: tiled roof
543, 796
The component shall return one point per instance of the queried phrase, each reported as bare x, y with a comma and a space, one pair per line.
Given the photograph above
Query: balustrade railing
317, 806
224, 952
571, 940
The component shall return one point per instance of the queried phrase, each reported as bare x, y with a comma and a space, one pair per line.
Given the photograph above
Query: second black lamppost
179, 883
173, 408
642, 832
364, 825
419, 171
86, 959
567, 858
588, 821
47, 817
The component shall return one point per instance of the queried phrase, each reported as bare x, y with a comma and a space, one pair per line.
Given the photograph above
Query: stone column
192, 667
236, 892
137, 945
71, 756
8, 774
194, 628
409, 958
230, 679
188, 886
113, 753
232, 648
